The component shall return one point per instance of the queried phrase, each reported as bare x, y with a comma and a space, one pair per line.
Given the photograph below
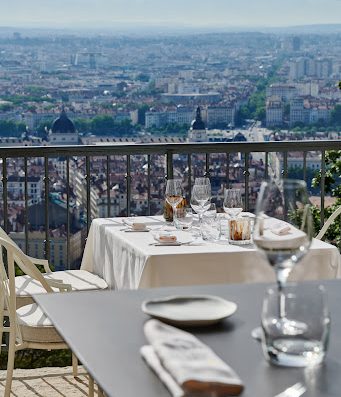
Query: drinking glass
233, 202
210, 228
240, 230
211, 212
174, 193
200, 199
183, 218
304, 304
283, 232
202, 181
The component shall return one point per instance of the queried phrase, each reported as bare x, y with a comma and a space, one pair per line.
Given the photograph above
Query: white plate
191, 310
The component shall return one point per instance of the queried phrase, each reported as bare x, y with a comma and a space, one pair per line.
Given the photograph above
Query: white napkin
279, 235
185, 365
138, 226
281, 229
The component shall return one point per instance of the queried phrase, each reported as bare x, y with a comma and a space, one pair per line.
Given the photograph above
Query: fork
295, 390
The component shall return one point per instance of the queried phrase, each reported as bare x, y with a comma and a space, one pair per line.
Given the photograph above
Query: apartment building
274, 112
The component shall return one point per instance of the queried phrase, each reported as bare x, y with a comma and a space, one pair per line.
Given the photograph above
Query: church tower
197, 132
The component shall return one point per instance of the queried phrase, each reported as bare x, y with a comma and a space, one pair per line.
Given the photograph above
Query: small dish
191, 310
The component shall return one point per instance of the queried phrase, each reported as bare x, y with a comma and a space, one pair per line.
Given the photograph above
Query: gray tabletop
105, 330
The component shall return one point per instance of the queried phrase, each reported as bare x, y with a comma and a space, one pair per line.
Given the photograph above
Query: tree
9, 128
6, 107
332, 186
336, 115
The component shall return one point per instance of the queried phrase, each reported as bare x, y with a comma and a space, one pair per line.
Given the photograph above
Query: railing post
148, 185
266, 171
88, 194
169, 159
47, 198
128, 183
207, 165
323, 185
189, 165
228, 170
26, 206
108, 187
304, 166
4, 180
246, 180
68, 212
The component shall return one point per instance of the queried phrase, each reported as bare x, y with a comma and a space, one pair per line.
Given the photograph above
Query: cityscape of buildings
68, 89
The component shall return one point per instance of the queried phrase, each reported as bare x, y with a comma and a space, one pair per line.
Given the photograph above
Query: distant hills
169, 30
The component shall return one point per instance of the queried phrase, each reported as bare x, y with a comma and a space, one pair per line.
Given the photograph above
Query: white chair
29, 327
27, 285
330, 220
30, 283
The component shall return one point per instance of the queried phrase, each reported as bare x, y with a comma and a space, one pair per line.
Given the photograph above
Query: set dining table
130, 260
107, 330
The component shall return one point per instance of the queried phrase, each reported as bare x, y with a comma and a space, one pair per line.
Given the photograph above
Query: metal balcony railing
245, 149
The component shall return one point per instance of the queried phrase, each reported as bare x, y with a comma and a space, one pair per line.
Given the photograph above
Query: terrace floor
47, 382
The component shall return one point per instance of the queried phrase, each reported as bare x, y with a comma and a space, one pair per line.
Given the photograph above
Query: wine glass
174, 193
202, 181
233, 202
200, 199
283, 232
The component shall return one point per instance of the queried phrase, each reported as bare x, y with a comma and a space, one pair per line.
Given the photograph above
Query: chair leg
74, 365
91, 386
10, 364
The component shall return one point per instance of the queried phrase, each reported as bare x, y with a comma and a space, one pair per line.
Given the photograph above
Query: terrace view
184, 155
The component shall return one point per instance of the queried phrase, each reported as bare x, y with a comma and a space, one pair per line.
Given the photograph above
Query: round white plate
191, 310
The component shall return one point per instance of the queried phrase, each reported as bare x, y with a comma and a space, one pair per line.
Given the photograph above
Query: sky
177, 13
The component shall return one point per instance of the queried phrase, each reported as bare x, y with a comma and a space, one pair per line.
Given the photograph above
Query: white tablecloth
127, 261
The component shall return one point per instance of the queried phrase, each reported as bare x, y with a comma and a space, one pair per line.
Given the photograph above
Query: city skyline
178, 14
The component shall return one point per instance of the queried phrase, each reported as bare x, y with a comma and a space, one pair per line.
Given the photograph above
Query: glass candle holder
240, 230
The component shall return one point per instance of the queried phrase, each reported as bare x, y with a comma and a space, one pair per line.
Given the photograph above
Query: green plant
332, 186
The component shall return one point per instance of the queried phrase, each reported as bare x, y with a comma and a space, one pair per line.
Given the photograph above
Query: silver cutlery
295, 390
135, 231
175, 244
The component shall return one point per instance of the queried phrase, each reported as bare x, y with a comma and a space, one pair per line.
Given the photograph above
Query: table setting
135, 352
196, 244
294, 321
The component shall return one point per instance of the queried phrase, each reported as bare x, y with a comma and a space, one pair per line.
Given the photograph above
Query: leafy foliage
333, 186
28, 359
11, 128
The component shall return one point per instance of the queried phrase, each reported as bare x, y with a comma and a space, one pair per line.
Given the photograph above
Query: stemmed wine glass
201, 199
283, 232
174, 193
202, 181
233, 202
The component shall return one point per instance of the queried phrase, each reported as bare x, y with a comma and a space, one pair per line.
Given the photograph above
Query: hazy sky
219, 13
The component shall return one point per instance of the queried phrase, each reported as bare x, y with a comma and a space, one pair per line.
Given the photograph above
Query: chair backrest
6, 237
14, 257
26, 266
7, 286
330, 220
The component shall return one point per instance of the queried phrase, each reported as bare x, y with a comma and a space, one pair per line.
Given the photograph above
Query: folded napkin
281, 229
134, 225
275, 234
185, 365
